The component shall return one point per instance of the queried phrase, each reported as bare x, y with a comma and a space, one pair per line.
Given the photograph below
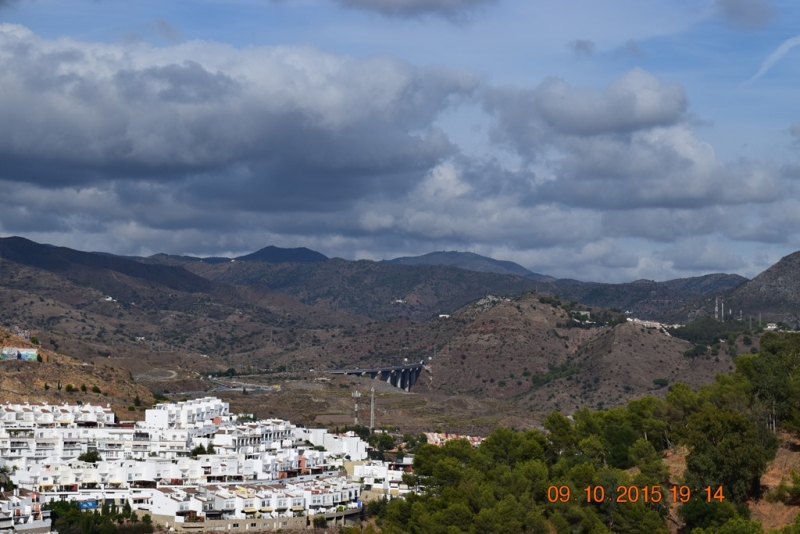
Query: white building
188, 414
345, 445
257, 473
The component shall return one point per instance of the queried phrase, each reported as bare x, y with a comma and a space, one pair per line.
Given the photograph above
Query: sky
605, 141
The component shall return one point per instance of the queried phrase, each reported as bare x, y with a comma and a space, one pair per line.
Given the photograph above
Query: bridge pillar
413, 376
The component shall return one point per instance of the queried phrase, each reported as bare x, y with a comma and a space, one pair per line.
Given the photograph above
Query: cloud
202, 148
636, 100
701, 254
794, 131
275, 121
626, 147
774, 57
630, 49
582, 47
416, 8
167, 31
746, 14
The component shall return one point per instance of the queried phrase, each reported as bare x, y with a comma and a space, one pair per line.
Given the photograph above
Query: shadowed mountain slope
369, 288
774, 294
469, 261
97, 270
647, 299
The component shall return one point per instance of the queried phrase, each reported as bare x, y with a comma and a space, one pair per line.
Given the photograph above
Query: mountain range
532, 344
471, 262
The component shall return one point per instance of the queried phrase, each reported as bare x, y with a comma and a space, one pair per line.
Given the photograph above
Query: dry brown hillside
38, 382
621, 363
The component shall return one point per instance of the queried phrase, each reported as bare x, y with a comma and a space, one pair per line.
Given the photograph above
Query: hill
469, 261
375, 290
150, 329
530, 351
47, 381
648, 299
774, 295
273, 254
96, 270
520, 350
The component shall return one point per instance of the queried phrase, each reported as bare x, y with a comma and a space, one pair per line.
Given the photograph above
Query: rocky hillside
647, 299
48, 381
774, 294
378, 291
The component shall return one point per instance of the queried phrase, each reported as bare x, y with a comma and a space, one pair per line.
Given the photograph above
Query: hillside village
188, 464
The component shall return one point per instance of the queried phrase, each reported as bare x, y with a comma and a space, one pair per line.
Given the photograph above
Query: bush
90, 456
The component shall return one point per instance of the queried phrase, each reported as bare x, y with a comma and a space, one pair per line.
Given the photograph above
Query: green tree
91, 456
319, 521
643, 455
725, 451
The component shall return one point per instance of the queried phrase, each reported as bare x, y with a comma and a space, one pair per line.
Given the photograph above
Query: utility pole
372, 410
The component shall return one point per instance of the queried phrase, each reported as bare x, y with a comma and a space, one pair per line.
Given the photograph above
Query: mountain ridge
469, 261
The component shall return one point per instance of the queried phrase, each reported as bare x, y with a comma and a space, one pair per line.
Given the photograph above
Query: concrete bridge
400, 376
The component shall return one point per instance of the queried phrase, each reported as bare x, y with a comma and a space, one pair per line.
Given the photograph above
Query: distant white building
188, 414
347, 444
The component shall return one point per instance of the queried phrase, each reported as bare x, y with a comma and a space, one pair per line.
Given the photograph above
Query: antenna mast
372, 410
356, 396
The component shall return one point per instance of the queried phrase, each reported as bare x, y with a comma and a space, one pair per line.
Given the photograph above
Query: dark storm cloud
582, 47
415, 8
746, 14
279, 123
180, 84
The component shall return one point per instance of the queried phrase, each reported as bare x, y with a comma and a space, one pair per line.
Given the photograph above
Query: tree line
517, 481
